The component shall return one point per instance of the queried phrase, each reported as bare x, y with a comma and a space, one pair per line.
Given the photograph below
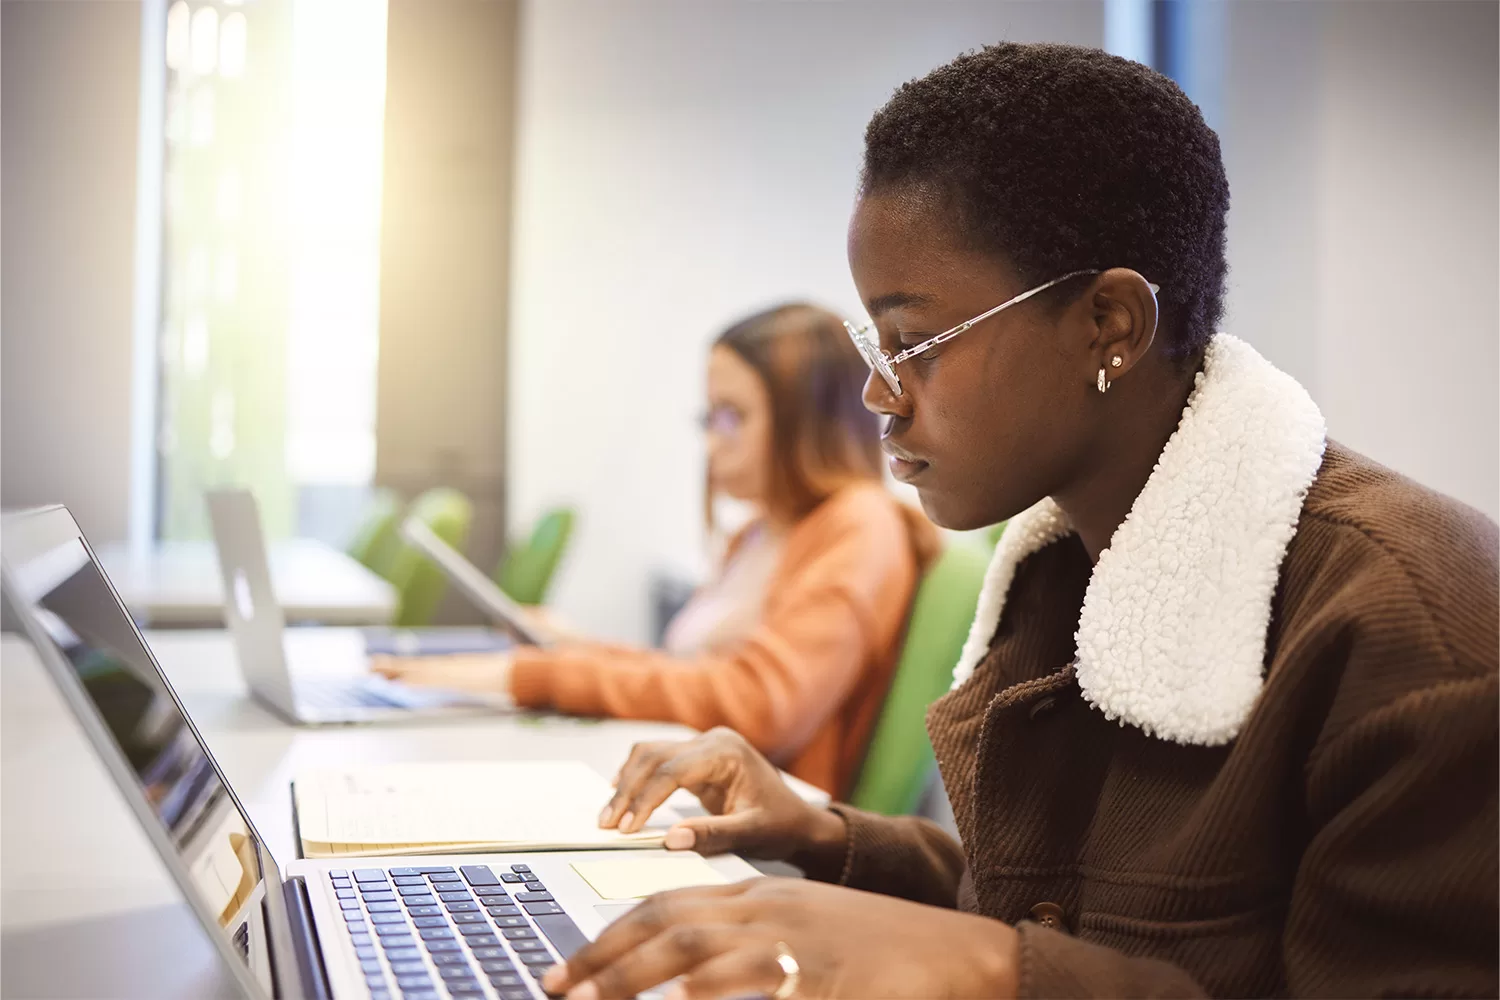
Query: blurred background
345, 252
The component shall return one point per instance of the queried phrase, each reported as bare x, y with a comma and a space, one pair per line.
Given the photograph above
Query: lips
904, 465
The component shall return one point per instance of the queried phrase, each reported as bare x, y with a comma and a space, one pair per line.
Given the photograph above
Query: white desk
177, 584
75, 867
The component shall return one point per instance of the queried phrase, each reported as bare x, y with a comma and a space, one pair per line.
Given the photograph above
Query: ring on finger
791, 973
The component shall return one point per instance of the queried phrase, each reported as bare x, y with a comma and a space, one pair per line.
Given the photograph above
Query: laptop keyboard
330, 693
434, 932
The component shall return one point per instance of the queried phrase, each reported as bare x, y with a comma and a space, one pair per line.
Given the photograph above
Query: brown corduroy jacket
1332, 832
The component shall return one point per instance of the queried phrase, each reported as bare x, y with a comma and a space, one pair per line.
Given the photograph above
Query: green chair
376, 541
526, 571
418, 581
900, 758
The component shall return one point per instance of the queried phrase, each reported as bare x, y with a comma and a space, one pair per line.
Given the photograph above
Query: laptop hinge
305, 939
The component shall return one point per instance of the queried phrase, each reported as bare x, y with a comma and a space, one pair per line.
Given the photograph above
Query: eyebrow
895, 300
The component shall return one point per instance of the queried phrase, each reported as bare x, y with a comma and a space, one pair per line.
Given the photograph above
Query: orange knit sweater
806, 685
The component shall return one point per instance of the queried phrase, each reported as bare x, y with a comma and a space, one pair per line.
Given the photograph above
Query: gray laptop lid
54, 589
250, 606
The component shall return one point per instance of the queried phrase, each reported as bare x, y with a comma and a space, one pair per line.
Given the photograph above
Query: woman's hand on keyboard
754, 812
480, 673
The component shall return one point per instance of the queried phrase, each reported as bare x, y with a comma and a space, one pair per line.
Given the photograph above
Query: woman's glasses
723, 420
879, 361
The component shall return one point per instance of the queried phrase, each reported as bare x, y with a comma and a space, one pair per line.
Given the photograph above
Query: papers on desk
460, 807
629, 877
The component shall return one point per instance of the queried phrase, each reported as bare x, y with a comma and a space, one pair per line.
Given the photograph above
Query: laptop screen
66, 593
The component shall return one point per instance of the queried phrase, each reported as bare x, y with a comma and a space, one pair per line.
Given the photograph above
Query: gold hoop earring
1103, 383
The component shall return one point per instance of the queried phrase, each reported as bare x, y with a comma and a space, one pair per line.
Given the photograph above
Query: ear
1125, 315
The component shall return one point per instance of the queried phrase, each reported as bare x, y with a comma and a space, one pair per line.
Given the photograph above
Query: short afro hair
1058, 158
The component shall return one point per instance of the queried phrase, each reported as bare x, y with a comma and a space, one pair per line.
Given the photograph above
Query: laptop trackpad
614, 911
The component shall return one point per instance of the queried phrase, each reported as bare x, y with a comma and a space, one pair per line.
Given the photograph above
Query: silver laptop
311, 676
423, 928
495, 603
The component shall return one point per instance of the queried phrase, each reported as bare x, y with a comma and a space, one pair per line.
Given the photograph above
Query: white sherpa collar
1172, 633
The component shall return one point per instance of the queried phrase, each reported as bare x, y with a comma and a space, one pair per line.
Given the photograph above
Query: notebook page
446, 804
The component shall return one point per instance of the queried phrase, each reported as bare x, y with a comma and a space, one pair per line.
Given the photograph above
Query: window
273, 127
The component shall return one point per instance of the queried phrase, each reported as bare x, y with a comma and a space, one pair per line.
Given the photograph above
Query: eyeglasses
885, 364
723, 420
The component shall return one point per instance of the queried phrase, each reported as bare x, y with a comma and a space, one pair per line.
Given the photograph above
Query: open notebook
460, 806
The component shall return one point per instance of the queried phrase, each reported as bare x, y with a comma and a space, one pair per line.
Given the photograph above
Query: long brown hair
822, 437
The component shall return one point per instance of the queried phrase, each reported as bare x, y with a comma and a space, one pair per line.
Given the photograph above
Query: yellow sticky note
631, 877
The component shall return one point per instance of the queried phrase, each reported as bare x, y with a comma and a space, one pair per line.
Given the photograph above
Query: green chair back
527, 569
899, 759
418, 581
376, 540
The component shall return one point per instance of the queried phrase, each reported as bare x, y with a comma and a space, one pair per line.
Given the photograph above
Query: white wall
1409, 337
69, 82
681, 164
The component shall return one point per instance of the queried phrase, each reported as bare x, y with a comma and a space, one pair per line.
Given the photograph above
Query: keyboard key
481, 940
510, 921
369, 875
515, 993
465, 906
349, 904
449, 876
455, 897
375, 980
450, 958
431, 921
337, 873
357, 926
386, 930
542, 909
520, 868
388, 918
405, 872
345, 893
417, 888
361, 940
491, 954
353, 914
371, 890
434, 933
466, 988
456, 971
534, 959
394, 955
533, 897
342, 883
408, 968
395, 942
390, 907
563, 933
443, 944
365, 951
527, 944
424, 911
371, 965
498, 967
421, 995
419, 900
439, 870
493, 898
479, 874
380, 995
511, 877
535, 887
413, 983
521, 933
470, 918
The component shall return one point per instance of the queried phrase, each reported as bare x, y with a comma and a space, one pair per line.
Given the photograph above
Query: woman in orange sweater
794, 641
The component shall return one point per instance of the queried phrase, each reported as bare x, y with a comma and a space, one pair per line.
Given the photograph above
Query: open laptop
423, 928
486, 595
310, 676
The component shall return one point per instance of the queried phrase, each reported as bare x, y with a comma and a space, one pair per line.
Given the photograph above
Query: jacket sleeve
823, 620
904, 856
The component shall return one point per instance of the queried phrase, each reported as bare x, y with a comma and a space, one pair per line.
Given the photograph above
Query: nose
879, 399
